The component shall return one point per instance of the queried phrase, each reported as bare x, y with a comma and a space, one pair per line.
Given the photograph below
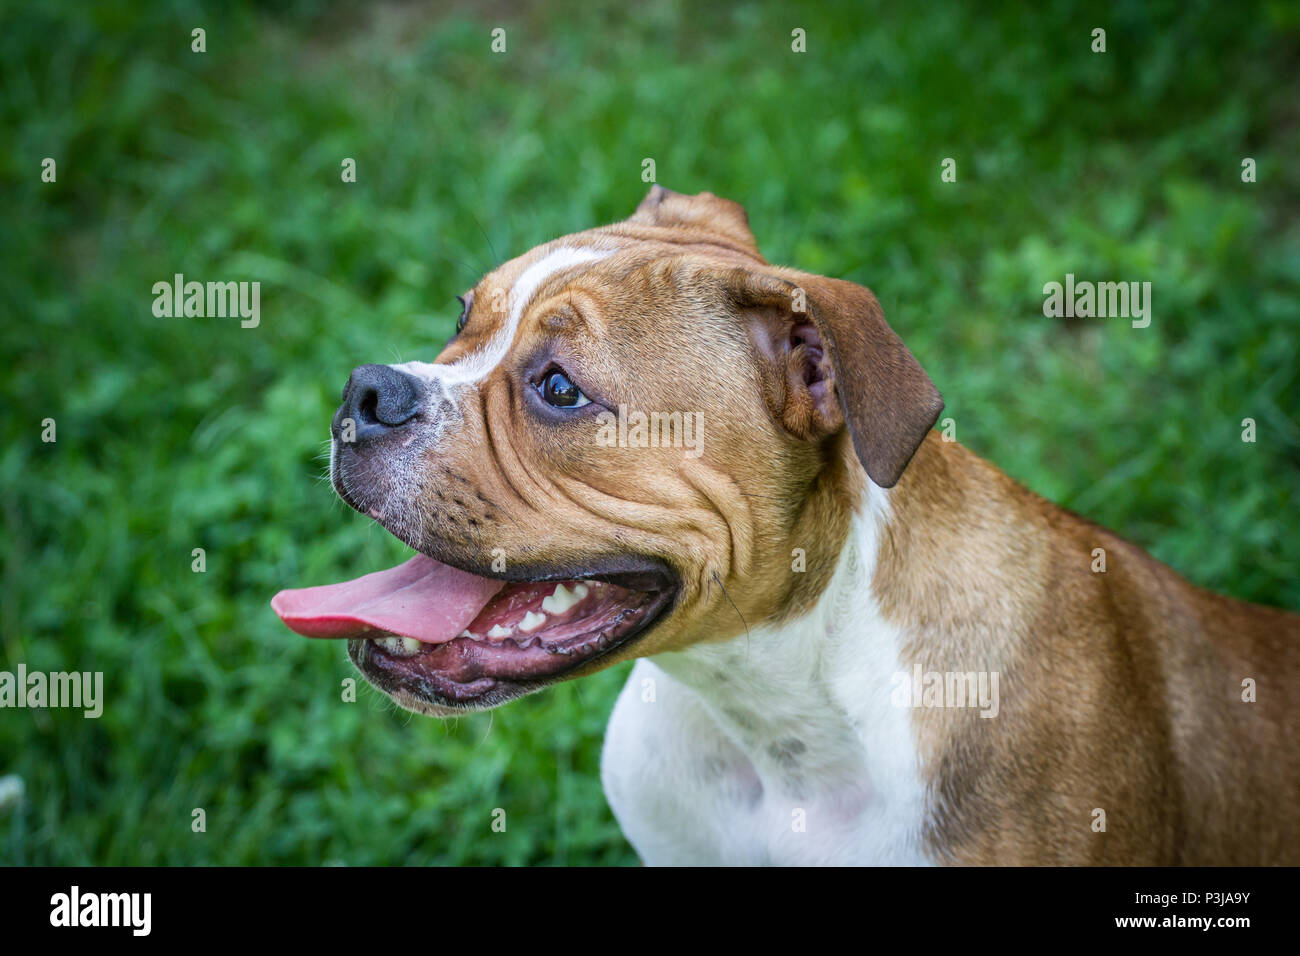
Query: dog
855, 642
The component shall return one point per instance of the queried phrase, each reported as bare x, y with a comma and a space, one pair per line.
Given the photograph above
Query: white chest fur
782, 747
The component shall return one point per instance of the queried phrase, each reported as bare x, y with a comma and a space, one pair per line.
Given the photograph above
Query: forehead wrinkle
558, 262
477, 365
580, 309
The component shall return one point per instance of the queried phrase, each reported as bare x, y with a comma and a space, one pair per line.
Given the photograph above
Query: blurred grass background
183, 433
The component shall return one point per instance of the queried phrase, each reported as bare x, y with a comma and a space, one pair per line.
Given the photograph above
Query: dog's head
632, 430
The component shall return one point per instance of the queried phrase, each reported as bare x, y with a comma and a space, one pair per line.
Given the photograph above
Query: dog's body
1121, 691
807, 595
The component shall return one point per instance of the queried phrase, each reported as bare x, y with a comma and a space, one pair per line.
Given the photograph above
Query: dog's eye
558, 390
464, 314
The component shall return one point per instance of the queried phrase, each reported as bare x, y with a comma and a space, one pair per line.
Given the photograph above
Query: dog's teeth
465, 633
399, 646
499, 631
561, 600
532, 621
557, 602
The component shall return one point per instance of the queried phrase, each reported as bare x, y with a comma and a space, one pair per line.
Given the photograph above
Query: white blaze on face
474, 367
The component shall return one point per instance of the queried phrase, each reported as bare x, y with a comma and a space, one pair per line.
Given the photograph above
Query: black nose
378, 399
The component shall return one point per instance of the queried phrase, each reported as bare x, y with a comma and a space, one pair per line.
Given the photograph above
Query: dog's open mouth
437, 634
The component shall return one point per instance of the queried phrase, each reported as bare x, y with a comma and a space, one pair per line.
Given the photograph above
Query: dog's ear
703, 212
832, 361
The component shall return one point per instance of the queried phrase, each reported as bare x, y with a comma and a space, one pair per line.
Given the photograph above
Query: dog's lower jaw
359, 653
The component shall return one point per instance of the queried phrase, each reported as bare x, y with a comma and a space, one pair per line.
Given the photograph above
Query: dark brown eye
464, 314
558, 390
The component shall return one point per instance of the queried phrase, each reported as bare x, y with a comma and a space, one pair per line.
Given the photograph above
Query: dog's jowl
855, 642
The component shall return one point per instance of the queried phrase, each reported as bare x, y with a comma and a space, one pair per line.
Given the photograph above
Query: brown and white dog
857, 642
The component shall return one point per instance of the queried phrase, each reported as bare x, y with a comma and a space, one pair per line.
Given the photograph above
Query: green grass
182, 433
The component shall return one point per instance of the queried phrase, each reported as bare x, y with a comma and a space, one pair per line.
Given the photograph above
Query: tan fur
1120, 690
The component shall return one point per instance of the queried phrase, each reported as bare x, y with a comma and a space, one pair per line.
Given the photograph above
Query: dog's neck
808, 700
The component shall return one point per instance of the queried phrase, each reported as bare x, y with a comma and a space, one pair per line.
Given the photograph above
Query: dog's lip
632, 571
439, 693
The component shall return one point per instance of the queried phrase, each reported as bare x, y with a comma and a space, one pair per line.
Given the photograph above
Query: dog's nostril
367, 407
378, 398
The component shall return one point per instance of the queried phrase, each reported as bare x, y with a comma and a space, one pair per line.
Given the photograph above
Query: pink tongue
423, 599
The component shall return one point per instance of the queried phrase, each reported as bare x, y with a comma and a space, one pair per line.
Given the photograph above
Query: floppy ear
703, 213
833, 361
